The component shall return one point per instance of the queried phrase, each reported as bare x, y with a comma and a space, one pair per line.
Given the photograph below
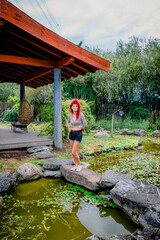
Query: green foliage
46, 112
49, 127
141, 166
129, 123
41, 95
14, 100
11, 115
6, 90
39, 162
138, 113
133, 73
90, 197
81, 88
158, 124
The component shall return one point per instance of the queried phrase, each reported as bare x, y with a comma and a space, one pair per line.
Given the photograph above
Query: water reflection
106, 221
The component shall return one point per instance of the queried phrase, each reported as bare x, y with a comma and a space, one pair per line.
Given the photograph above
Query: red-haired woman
76, 123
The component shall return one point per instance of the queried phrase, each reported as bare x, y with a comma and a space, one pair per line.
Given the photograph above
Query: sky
98, 23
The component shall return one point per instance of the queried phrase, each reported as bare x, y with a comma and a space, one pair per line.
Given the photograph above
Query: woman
76, 123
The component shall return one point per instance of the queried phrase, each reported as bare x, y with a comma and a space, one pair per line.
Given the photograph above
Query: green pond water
48, 209
151, 146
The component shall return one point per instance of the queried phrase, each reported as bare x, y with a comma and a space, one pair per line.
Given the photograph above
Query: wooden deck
20, 139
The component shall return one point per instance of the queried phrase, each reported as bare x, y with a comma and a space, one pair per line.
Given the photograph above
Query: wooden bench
15, 125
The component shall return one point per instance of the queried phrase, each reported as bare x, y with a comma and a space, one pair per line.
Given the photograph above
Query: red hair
75, 101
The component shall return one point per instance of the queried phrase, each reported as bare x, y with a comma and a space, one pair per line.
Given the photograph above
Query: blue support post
57, 109
22, 91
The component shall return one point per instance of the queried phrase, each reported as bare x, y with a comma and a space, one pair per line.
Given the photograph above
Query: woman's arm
84, 122
68, 123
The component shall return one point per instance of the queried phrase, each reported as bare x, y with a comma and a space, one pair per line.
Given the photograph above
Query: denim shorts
75, 135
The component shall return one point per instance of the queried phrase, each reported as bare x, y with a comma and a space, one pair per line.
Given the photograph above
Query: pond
54, 209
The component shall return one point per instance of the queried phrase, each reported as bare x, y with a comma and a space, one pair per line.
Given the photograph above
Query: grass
38, 127
10, 164
2, 124
120, 123
91, 145
64, 155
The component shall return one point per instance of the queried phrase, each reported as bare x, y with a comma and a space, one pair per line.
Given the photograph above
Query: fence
5, 106
107, 109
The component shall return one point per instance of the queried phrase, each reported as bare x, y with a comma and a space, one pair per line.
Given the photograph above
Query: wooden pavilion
32, 55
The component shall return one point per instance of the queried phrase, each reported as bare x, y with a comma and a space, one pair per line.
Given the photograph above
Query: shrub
158, 123
138, 112
14, 100
11, 115
46, 112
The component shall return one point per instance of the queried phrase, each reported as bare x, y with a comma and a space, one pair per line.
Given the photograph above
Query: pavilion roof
29, 51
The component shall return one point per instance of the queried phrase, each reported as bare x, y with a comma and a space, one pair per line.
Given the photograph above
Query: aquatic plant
141, 166
19, 216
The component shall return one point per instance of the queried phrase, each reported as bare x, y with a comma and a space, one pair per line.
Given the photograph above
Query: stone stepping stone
56, 163
37, 149
86, 177
45, 154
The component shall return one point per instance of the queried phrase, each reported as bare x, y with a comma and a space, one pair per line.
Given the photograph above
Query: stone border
87, 156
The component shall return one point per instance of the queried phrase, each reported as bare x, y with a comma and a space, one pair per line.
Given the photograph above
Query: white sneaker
79, 168
74, 168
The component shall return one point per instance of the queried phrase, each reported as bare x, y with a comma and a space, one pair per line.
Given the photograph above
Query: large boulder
86, 177
102, 134
125, 131
37, 149
52, 174
111, 178
7, 181
139, 132
155, 134
140, 200
28, 172
56, 163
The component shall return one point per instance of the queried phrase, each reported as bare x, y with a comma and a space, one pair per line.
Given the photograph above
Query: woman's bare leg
72, 143
75, 146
